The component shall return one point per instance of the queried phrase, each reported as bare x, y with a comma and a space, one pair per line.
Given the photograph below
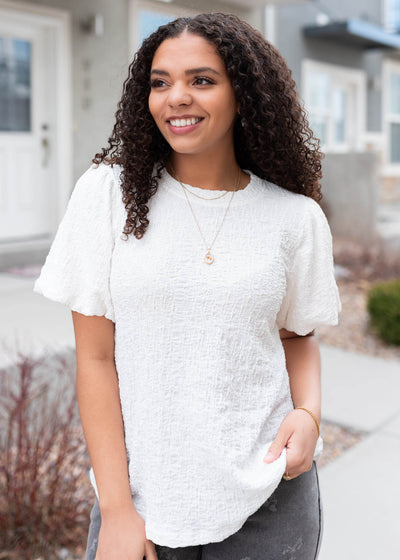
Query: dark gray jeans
288, 526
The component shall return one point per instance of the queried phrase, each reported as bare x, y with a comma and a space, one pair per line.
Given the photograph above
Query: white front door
26, 122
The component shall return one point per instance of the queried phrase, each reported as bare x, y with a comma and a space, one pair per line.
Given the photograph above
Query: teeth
184, 122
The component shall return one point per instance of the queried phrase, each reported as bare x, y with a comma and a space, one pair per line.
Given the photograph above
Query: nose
179, 94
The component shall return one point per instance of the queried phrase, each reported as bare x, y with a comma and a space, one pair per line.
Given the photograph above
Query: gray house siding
295, 47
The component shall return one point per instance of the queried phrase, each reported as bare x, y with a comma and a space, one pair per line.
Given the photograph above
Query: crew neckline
249, 192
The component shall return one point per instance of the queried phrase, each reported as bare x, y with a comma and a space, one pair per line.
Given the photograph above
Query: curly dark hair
273, 139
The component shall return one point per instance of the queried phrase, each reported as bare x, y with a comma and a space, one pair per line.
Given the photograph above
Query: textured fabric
201, 368
288, 526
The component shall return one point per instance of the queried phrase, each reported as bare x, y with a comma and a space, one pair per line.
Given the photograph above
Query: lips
181, 126
180, 122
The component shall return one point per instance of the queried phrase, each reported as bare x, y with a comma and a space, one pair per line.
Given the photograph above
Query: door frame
60, 21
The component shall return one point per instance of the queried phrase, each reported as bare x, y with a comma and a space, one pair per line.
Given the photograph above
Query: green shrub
384, 309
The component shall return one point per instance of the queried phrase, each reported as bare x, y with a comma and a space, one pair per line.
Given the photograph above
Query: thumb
276, 447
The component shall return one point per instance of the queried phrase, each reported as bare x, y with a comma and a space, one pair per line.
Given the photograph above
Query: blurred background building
63, 62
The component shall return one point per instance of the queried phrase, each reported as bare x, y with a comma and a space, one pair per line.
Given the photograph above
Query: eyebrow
189, 72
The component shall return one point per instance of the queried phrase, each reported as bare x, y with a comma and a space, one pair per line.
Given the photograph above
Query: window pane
339, 115
395, 143
319, 126
15, 85
150, 21
319, 86
393, 14
395, 93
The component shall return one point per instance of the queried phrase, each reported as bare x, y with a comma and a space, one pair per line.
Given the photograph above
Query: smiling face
191, 99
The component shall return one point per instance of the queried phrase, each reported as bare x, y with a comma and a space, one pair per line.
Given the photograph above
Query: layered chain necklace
208, 257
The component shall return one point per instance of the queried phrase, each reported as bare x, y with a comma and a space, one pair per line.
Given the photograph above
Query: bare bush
44, 493
374, 262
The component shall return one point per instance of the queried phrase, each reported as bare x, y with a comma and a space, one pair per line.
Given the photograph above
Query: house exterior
345, 58
63, 62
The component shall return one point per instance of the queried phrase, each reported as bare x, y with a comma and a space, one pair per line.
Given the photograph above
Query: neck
206, 172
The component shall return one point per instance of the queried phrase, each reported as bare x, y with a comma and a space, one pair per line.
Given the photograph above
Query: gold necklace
204, 197
191, 192
209, 257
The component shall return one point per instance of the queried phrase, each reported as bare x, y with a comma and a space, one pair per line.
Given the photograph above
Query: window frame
389, 168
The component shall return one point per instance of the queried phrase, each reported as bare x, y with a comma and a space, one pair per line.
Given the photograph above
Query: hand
298, 433
123, 537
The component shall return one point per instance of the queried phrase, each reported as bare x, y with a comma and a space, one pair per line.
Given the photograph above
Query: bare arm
303, 363
298, 431
122, 534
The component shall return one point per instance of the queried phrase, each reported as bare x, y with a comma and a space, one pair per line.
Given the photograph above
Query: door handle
45, 151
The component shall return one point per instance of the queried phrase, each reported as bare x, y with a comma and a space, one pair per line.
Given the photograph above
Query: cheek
227, 107
153, 106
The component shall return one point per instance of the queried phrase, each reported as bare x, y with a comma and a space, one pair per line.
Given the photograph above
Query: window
392, 15
15, 85
335, 101
146, 16
149, 21
391, 112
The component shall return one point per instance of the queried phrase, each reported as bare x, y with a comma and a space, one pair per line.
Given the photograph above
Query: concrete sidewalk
360, 490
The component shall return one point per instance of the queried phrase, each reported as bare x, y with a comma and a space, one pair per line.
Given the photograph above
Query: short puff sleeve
77, 269
312, 297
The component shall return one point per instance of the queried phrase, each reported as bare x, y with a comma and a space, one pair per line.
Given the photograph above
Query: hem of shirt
207, 537
220, 534
65, 300
307, 328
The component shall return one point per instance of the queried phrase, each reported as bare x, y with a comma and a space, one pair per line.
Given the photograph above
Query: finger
150, 551
297, 461
276, 447
295, 469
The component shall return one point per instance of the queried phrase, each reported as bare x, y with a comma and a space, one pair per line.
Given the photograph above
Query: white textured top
201, 367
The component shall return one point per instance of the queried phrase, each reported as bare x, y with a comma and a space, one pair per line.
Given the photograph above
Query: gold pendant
209, 259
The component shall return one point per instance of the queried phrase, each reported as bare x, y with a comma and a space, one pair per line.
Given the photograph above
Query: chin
186, 150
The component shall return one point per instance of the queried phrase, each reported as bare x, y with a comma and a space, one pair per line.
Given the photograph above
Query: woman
198, 372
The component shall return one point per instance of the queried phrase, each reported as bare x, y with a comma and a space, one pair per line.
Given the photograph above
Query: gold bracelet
311, 414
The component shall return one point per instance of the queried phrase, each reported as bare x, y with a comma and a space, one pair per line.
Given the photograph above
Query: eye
202, 81
157, 83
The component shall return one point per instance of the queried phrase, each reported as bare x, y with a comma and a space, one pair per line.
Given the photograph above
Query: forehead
187, 50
